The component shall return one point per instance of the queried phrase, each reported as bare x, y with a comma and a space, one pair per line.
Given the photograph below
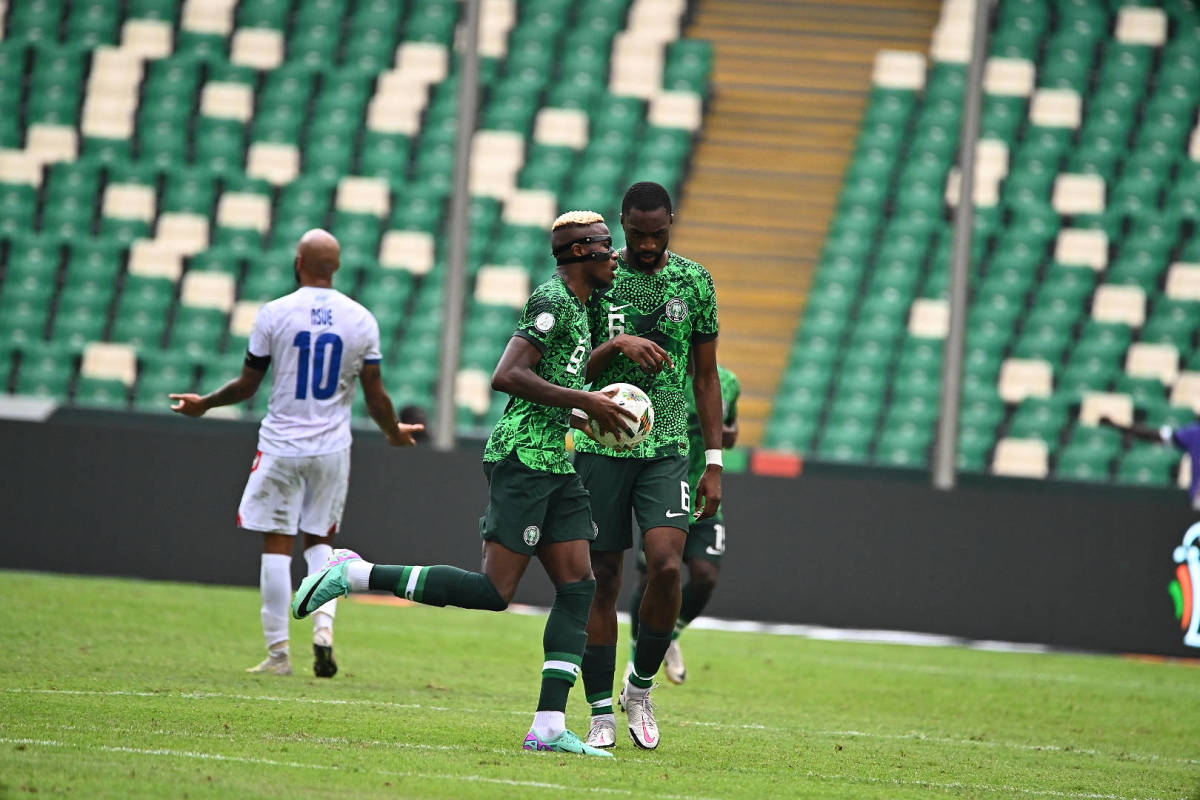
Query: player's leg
270, 505
442, 585
326, 480
702, 554
517, 496
635, 606
609, 481
568, 564
662, 502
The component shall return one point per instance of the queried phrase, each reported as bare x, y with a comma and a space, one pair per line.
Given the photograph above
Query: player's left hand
708, 493
190, 405
405, 434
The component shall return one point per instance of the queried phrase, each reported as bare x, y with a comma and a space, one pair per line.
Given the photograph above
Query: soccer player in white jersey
319, 341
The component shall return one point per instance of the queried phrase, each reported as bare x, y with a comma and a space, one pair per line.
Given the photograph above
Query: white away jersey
318, 340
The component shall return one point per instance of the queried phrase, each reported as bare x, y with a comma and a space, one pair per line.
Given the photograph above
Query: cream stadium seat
1021, 458
1082, 247
184, 233
502, 286
1117, 303
1153, 360
201, 289
412, 251
109, 361
150, 259
1025, 377
1114, 405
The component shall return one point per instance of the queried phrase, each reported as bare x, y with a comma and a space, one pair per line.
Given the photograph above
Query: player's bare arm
514, 375
643, 352
240, 388
707, 386
379, 406
1142, 432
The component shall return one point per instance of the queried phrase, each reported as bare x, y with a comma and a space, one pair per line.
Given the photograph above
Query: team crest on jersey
532, 534
676, 309
544, 322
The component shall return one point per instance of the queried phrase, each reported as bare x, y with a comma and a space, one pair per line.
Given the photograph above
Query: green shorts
706, 540
655, 489
527, 506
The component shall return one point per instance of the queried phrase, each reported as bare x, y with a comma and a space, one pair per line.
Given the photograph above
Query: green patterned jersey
556, 323
674, 307
731, 389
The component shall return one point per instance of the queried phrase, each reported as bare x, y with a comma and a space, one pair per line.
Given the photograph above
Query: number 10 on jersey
327, 348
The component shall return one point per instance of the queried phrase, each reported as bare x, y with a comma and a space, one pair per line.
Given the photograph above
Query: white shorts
286, 494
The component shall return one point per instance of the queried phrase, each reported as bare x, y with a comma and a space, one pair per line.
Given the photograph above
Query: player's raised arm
514, 375
379, 406
240, 388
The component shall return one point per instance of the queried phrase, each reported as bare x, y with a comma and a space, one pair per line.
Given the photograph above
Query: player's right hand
190, 405
609, 415
643, 352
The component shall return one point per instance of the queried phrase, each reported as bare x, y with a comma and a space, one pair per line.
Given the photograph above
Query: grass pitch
118, 688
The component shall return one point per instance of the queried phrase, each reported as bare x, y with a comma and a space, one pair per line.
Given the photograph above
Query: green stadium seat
46, 369
1148, 465
101, 393
210, 47
1040, 418
79, 325
18, 205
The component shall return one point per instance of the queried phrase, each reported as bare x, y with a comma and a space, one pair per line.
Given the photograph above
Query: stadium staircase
1085, 268
160, 158
788, 93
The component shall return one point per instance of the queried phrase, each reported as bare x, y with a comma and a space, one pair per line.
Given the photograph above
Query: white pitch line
912, 736
193, 754
558, 787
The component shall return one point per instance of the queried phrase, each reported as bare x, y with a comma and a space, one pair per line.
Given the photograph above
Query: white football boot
673, 663
603, 733
280, 664
642, 727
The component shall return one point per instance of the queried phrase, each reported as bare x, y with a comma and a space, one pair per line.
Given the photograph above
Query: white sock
634, 692
548, 725
605, 718
359, 575
316, 557
323, 635
275, 583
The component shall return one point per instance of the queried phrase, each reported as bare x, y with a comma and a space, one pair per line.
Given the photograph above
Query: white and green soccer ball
638, 403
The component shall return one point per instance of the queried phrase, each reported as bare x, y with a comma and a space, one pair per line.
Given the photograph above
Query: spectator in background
1186, 438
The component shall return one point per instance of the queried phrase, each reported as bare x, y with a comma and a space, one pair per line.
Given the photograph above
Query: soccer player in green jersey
537, 505
660, 312
706, 537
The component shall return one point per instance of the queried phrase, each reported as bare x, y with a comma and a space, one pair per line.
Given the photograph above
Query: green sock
635, 607
651, 647
598, 667
563, 642
438, 586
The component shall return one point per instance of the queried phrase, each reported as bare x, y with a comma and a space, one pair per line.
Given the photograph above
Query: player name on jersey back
318, 341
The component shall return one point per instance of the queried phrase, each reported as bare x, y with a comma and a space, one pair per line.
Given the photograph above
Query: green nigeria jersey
731, 389
674, 308
555, 322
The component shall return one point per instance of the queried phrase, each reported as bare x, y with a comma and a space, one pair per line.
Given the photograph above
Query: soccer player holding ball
537, 506
660, 312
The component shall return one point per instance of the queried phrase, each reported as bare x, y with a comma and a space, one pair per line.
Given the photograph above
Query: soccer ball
630, 397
